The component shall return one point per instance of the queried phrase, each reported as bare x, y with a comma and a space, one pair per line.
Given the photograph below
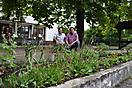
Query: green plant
102, 46
36, 77
103, 50
65, 67
114, 61
7, 51
87, 54
29, 54
83, 63
104, 63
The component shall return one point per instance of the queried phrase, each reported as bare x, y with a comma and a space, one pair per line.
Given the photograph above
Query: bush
7, 52
103, 50
65, 67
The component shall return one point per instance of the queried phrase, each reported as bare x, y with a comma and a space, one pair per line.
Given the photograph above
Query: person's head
60, 30
72, 30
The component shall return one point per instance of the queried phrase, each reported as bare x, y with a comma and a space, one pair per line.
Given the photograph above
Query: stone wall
104, 79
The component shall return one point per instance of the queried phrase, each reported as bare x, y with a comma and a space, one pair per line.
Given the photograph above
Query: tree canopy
96, 11
104, 13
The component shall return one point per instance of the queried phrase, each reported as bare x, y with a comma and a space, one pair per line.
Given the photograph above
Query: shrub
89, 54
65, 67
103, 50
7, 52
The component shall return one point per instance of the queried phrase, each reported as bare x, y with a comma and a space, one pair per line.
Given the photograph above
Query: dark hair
71, 28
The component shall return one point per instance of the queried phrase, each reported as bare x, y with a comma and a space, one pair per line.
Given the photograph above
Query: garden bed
64, 67
103, 79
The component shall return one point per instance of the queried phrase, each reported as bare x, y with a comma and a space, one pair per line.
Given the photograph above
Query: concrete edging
104, 79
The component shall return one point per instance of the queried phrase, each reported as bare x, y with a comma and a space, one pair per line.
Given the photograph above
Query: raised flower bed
67, 66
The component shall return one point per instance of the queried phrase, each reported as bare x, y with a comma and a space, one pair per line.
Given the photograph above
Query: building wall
50, 33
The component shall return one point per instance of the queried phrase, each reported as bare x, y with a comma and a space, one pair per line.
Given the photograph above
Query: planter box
104, 79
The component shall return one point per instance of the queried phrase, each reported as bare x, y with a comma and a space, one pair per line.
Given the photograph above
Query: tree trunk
1, 26
80, 24
8, 16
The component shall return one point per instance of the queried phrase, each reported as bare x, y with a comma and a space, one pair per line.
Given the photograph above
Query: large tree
68, 9
14, 8
96, 12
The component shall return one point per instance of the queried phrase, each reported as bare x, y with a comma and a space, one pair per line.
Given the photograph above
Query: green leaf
1, 83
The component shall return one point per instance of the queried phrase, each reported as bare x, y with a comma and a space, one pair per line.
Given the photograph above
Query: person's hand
68, 44
71, 44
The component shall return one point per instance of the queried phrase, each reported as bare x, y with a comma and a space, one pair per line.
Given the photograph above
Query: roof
5, 22
124, 25
20, 23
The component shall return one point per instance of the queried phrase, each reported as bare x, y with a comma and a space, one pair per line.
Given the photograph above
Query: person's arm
54, 39
67, 43
76, 40
66, 40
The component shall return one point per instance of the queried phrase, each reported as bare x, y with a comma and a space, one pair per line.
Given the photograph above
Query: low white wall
104, 79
